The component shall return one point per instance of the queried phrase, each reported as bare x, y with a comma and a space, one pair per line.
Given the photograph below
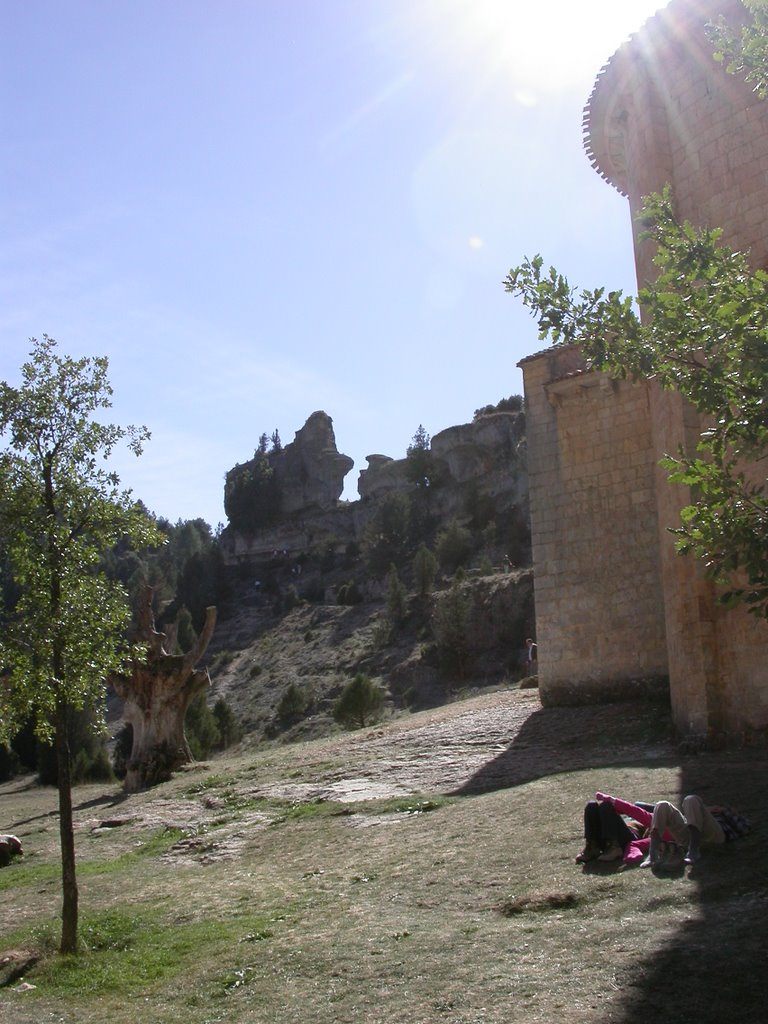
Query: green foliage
252, 495
9, 763
201, 728
744, 50
454, 545
705, 334
420, 465
121, 751
424, 571
386, 538
230, 730
293, 704
512, 404
88, 742
60, 511
361, 702
186, 636
397, 598
450, 625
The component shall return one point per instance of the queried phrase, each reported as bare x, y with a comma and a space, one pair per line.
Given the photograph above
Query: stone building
617, 609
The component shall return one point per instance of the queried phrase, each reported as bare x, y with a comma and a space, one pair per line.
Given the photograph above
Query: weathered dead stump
157, 693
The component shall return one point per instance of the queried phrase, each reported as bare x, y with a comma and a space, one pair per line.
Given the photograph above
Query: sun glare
539, 48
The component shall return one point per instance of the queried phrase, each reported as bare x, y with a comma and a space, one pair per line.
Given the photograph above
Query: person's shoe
590, 852
654, 853
694, 845
671, 858
612, 852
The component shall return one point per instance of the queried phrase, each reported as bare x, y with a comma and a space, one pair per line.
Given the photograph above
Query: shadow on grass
110, 800
713, 968
554, 740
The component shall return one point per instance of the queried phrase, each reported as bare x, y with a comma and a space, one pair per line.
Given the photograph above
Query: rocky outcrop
310, 471
485, 457
383, 475
480, 475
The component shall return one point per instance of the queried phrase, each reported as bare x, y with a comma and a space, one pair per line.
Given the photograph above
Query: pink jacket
635, 851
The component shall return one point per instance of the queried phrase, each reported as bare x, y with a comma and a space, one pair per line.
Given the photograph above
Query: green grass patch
122, 951
405, 805
17, 876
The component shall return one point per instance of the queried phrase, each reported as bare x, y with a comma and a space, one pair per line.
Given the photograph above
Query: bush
361, 702
9, 763
450, 624
454, 546
230, 730
201, 729
293, 705
90, 762
349, 594
397, 605
424, 571
122, 750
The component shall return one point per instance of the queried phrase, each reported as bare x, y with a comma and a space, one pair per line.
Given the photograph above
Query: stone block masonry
614, 603
599, 606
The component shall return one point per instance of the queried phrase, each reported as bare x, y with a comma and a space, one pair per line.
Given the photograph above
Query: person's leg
667, 820
593, 835
593, 830
614, 828
702, 827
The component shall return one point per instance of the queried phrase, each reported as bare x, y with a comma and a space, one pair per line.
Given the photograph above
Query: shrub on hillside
360, 703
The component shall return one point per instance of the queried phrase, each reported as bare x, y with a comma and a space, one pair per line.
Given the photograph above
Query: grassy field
311, 883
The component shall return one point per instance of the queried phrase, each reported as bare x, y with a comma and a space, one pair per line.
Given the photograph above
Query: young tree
450, 625
424, 571
387, 536
60, 509
421, 466
360, 702
397, 598
453, 546
704, 332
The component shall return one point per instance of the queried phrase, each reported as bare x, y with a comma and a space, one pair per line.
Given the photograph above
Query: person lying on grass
10, 846
690, 827
615, 829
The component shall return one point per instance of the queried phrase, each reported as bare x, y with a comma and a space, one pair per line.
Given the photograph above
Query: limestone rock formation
482, 463
310, 471
487, 455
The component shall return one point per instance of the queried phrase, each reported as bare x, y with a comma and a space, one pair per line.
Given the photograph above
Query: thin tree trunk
67, 835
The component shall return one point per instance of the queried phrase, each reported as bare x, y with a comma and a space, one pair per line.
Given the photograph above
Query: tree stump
157, 693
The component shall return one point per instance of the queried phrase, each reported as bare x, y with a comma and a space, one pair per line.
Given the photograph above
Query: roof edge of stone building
545, 351
595, 122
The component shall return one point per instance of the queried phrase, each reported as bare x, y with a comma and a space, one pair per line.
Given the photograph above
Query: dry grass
337, 882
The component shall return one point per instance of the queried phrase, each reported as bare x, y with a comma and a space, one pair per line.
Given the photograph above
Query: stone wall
662, 111
599, 606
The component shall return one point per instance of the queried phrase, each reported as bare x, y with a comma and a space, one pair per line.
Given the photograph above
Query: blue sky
260, 209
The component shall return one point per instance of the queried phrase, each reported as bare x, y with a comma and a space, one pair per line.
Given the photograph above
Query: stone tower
662, 111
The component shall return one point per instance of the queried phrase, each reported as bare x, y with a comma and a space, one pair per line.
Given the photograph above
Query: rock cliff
480, 475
